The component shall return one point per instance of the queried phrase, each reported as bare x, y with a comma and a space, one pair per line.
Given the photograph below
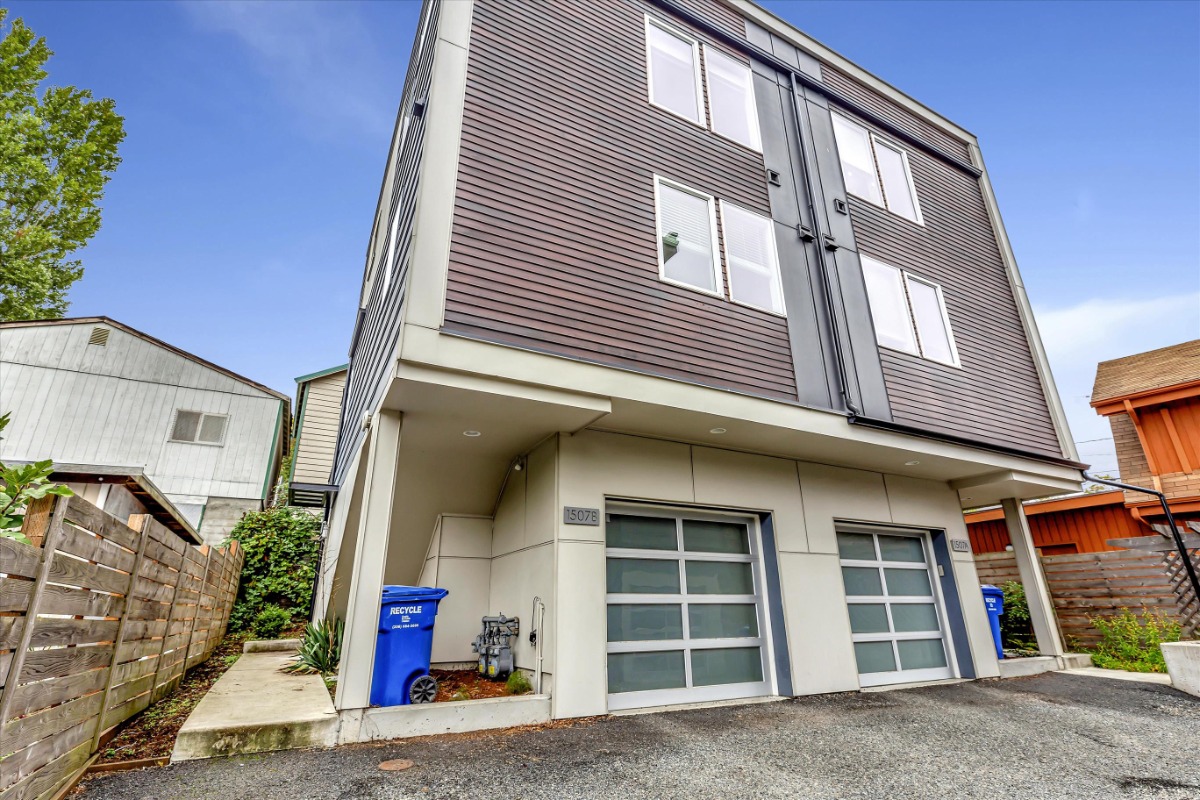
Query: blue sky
257, 133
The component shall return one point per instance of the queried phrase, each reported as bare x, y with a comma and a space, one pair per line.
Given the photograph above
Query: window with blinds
875, 170
687, 237
909, 313
751, 258
731, 99
673, 65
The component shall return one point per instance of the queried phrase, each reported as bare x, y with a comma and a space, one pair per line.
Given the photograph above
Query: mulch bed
468, 681
151, 734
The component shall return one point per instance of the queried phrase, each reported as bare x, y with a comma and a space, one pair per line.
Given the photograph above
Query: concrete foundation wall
221, 514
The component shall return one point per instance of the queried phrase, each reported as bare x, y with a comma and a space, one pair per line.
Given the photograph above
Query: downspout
824, 244
537, 617
1166, 507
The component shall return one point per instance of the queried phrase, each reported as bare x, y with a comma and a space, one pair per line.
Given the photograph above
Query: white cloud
320, 56
1079, 337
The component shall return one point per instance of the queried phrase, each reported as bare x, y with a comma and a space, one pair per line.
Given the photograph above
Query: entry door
896, 619
686, 618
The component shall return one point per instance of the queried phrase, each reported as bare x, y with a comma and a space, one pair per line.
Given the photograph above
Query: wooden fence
1086, 585
97, 623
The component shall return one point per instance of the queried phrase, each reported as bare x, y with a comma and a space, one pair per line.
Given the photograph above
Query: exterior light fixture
717, 430
472, 434
911, 463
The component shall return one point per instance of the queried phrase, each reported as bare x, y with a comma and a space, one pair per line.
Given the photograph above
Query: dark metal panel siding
996, 396
554, 245
377, 331
899, 117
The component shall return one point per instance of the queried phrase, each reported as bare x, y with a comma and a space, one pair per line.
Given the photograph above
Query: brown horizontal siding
996, 396
553, 246
718, 14
901, 118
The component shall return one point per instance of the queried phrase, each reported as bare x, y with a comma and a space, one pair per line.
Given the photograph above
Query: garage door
686, 619
896, 619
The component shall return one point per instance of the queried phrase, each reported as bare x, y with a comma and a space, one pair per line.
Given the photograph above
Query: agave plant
320, 648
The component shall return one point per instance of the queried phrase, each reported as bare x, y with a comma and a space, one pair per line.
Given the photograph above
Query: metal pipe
536, 618
803, 130
1188, 566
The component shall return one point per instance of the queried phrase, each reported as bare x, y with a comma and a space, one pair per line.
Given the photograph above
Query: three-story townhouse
686, 340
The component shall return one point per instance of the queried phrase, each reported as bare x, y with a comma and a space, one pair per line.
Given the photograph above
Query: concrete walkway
254, 707
1121, 675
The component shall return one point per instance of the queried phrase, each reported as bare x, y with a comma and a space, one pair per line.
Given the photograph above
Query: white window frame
902, 676
768, 686
905, 278
879, 141
910, 278
701, 110
199, 425
718, 278
755, 132
774, 254
874, 141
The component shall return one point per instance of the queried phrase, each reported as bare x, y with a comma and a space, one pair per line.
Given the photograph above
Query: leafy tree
280, 546
57, 152
21, 485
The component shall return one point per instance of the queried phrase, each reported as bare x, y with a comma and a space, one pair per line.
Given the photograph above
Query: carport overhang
447, 388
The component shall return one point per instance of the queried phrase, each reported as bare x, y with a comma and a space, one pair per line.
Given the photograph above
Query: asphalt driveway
1051, 736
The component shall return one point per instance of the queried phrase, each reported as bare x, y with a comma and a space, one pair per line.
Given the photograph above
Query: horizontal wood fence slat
1087, 585
97, 623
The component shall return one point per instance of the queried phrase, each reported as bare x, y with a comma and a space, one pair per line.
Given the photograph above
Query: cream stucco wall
805, 499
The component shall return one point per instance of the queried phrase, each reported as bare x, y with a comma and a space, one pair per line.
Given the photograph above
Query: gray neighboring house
93, 391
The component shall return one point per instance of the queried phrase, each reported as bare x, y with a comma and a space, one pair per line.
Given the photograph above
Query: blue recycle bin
404, 643
993, 600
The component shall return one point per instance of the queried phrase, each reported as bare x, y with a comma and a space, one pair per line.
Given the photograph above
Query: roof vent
99, 336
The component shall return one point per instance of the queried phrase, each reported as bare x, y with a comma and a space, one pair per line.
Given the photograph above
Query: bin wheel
423, 690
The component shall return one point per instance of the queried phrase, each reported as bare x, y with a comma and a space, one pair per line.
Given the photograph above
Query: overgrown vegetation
270, 622
320, 648
1016, 629
20, 486
280, 546
1131, 641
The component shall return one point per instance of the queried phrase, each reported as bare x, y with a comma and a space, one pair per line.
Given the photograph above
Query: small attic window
99, 336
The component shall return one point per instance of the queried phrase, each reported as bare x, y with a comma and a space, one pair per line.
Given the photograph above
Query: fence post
137, 522
53, 534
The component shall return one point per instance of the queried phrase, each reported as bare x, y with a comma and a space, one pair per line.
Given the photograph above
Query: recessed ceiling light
472, 434
911, 463
717, 430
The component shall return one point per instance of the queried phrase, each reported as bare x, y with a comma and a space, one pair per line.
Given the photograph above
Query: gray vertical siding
378, 327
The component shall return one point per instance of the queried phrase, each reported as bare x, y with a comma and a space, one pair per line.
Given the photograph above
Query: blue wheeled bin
403, 646
993, 600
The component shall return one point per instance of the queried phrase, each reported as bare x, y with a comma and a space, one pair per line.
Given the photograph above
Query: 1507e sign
580, 516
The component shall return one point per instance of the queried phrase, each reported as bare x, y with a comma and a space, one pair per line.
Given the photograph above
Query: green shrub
1131, 641
320, 648
271, 621
280, 546
517, 683
1016, 629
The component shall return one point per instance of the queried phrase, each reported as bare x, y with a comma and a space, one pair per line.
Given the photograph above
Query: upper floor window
687, 237
731, 99
198, 427
909, 312
687, 250
674, 67
876, 170
677, 82
751, 258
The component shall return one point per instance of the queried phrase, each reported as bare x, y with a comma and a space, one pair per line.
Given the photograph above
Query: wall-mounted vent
99, 336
